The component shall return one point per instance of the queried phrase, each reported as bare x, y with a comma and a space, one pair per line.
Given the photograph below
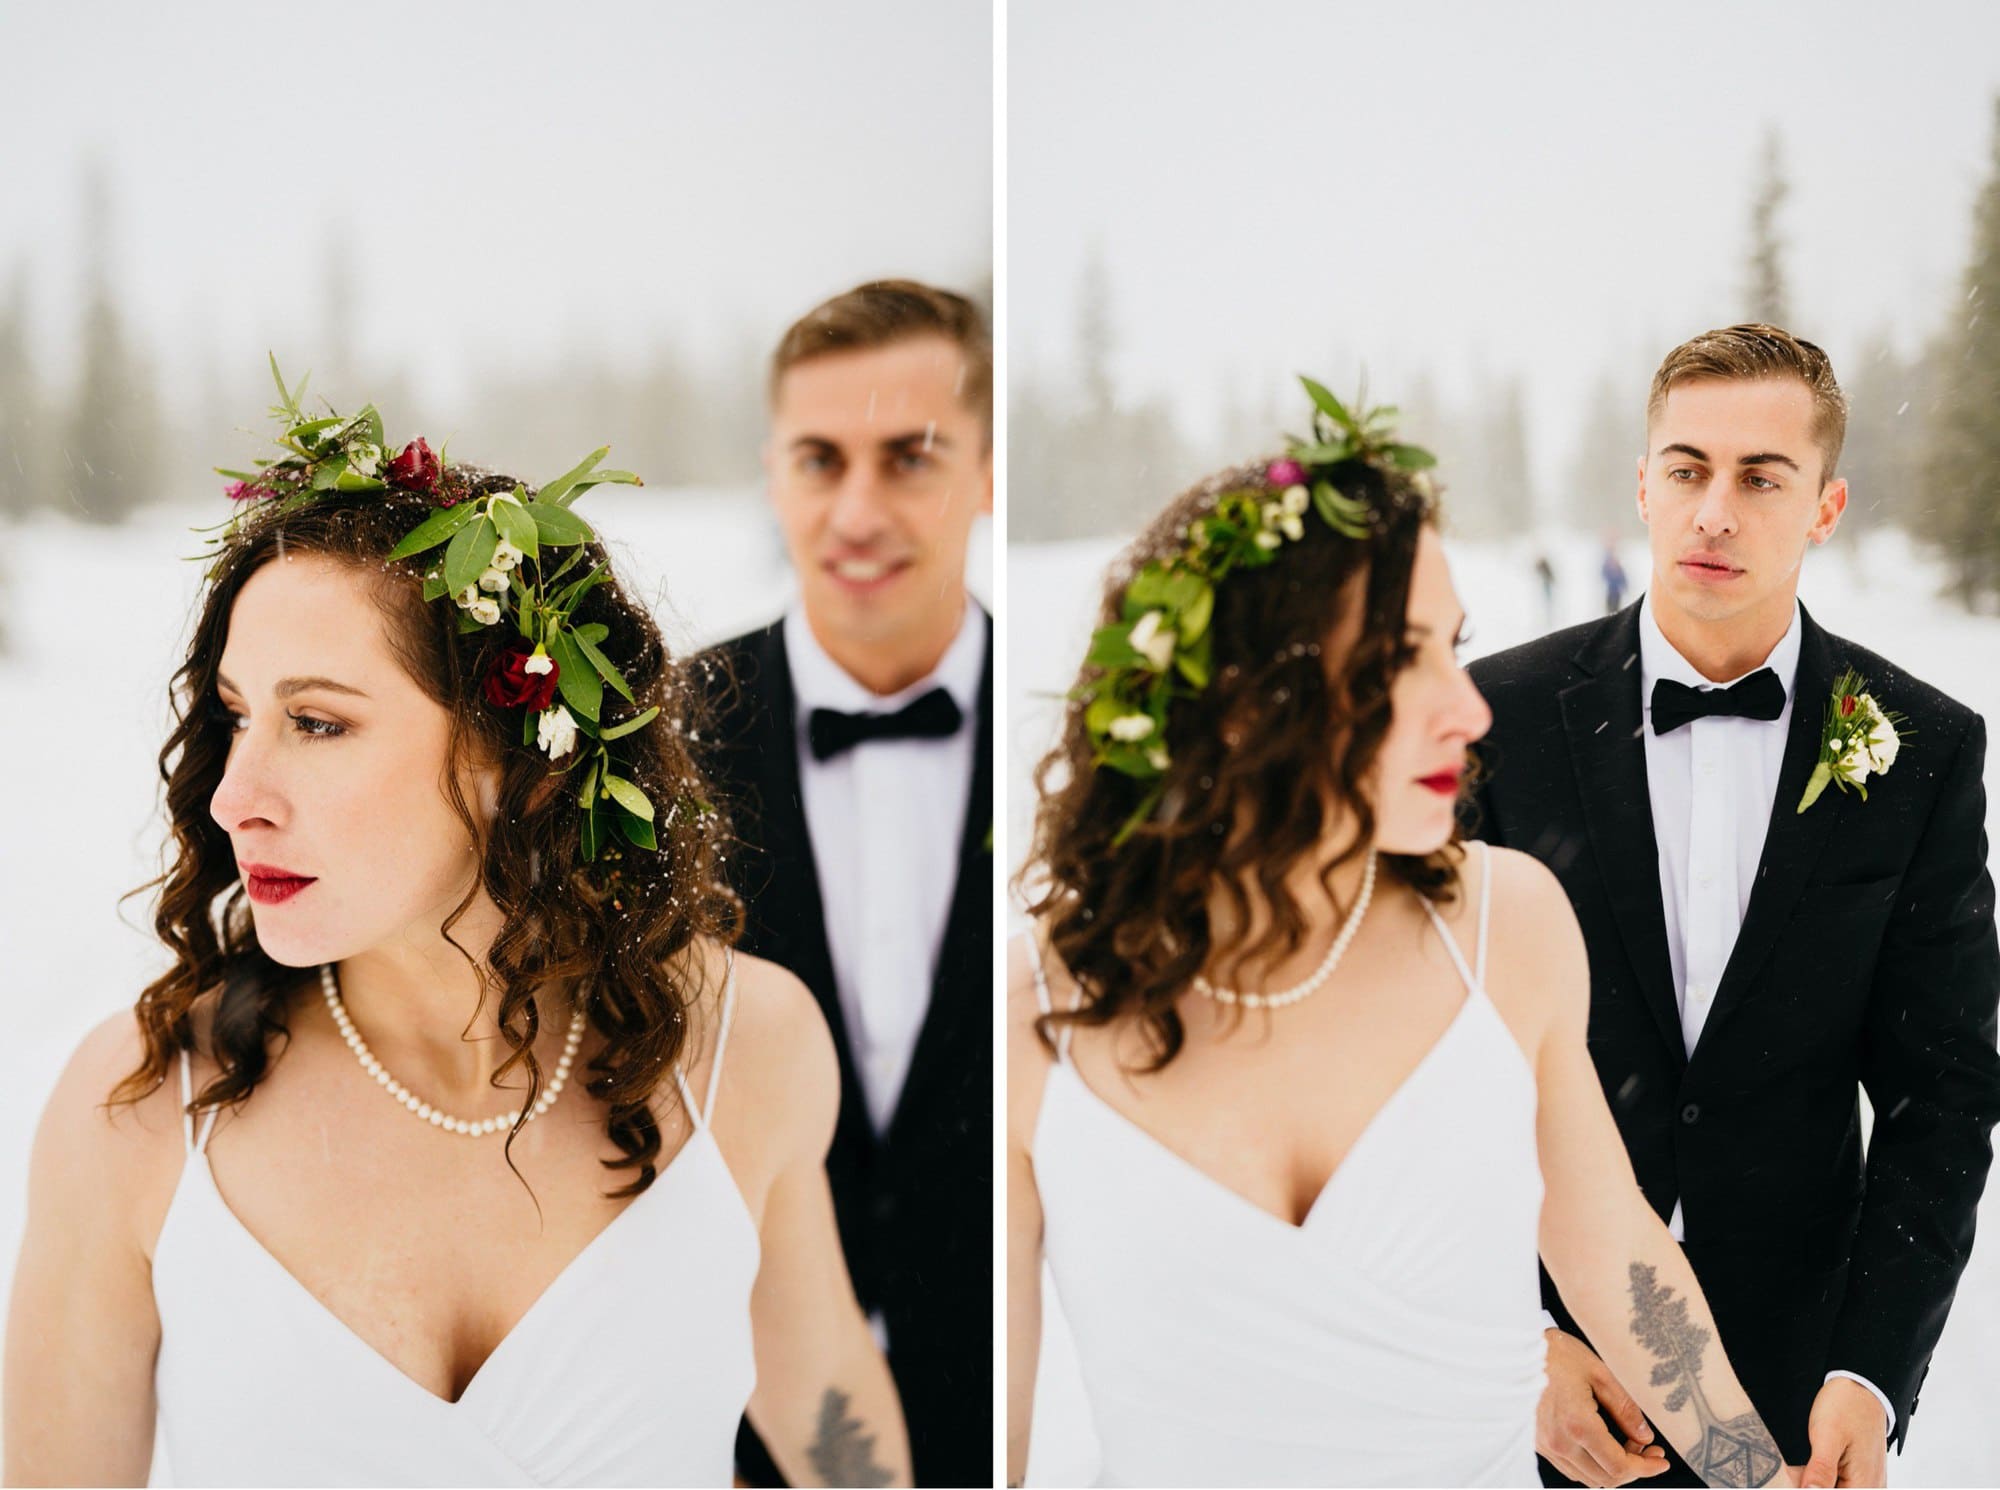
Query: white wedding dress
1392, 1338
632, 1368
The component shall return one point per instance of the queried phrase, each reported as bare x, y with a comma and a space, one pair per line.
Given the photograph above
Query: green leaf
587, 797
596, 631
1322, 455
1411, 457
348, 481
1111, 646
568, 600
530, 726
557, 526
524, 619
434, 530
1103, 709
589, 837
636, 722
434, 587
373, 423
1148, 590
576, 679
471, 551
628, 796
1196, 614
314, 426
603, 665
553, 493
1328, 405
600, 478
328, 472
519, 529
1193, 664
638, 832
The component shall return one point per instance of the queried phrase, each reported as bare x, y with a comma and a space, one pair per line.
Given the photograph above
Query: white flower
1131, 727
1152, 639
493, 581
484, 611
538, 662
364, 459
1158, 758
1295, 500
1269, 540
1293, 526
468, 597
506, 556
555, 732
1882, 742
1272, 513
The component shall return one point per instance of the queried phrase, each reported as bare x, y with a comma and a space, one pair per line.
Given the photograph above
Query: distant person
1545, 577
1613, 574
454, 1145
1775, 842
856, 740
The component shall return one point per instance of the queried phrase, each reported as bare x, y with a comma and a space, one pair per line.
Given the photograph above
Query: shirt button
1698, 992
1708, 768
1704, 880
1691, 1113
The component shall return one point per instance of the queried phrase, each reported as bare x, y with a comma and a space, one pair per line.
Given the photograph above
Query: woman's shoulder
103, 1130
1535, 959
778, 1044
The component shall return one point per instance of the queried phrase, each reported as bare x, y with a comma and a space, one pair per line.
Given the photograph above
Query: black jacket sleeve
1930, 1069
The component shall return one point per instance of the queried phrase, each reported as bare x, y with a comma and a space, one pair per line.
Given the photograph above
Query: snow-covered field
1876, 591
94, 622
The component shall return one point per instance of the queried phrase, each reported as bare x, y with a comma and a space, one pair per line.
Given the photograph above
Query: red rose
511, 684
416, 469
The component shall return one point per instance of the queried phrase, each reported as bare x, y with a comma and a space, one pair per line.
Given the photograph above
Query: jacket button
1691, 1113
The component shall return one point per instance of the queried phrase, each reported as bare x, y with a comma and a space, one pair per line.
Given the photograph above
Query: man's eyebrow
290, 687
1687, 450
927, 438
817, 442
1768, 458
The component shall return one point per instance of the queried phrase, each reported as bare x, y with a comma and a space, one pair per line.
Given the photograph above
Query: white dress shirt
885, 818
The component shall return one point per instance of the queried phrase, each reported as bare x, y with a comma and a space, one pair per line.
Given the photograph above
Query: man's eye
1681, 473
1762, 483
912, 460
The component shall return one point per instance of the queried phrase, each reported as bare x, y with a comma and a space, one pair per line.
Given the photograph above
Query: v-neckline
563, 1275
1300, 1226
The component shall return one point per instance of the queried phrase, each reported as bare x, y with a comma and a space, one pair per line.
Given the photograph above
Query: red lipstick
1444, 783
267, 884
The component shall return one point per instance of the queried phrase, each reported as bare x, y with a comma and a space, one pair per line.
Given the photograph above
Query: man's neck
889, 666
1722, 651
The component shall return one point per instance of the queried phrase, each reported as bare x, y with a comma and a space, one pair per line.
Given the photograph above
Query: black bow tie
932, 717
1759, 696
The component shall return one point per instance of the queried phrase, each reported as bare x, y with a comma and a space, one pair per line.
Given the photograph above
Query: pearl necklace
436, 1116
1320, 974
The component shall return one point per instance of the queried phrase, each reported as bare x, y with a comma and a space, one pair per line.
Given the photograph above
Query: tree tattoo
842, 1453
1733, 1451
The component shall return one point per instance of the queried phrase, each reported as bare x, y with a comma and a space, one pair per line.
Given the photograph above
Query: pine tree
23, 442
112, 452
1961, 463
1603, 472
1768, 301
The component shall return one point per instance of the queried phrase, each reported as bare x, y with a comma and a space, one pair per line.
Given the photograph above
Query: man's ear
1642, 491
1832, 502
986, 484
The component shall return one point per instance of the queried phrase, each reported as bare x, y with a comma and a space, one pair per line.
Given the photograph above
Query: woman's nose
247, 795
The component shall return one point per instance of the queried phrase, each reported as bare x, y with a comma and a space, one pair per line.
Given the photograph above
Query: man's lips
268, 884
1709, 566
859, 572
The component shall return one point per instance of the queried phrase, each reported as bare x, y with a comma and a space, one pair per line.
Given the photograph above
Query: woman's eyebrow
290, 686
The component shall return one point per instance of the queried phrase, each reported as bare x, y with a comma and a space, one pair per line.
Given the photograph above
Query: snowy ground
94, 622
1876, 591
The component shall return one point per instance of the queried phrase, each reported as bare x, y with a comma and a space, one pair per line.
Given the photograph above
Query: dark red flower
416, 469
510, 685
1848, 704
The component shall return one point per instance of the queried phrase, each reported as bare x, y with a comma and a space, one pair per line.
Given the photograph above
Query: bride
1289, 1067
456, 1146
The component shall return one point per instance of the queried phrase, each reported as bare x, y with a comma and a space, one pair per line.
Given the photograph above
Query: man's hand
1849, 1437
1570, 1434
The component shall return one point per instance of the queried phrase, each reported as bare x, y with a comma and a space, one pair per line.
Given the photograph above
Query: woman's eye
318, 729
221, 713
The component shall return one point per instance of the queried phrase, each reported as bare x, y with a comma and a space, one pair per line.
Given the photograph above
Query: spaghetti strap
1485, 911
1042, 997
194, 1145
1451, 946
722, 1038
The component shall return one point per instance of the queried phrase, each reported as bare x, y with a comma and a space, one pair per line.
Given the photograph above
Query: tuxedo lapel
960, 1002
1602, 720
791, 915
1794, 840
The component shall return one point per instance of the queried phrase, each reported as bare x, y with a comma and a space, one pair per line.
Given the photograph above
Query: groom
855, 748
1751, 962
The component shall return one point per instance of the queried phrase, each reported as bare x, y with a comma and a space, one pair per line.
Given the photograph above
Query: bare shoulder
779, 1049
1029, 969
95, 1155
1536, 964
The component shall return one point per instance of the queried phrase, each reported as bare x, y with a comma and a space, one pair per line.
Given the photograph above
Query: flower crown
498, 561
1159, 648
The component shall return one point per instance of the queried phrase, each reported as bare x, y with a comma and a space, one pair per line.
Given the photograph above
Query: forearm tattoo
841, 1452
1732, 1451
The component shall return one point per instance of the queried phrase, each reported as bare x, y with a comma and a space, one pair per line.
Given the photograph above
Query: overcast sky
1540, 188
514, 177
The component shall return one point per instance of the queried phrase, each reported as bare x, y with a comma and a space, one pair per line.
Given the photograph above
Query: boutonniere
1859, 737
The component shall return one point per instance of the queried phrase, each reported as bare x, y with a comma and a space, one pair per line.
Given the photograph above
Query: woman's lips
269, 885
1444, 783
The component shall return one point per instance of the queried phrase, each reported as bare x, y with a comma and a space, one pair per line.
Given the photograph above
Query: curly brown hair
1281, 740
618, 935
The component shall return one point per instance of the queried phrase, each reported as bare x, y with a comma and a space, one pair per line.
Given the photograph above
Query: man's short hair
1754, 350
884, 312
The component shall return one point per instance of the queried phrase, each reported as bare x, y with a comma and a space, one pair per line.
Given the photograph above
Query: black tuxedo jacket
915, 1205
1867, 955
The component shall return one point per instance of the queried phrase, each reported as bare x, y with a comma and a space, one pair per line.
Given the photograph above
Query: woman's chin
1416, 833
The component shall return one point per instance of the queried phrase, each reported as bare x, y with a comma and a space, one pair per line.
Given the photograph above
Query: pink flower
1284, 473
244, 491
